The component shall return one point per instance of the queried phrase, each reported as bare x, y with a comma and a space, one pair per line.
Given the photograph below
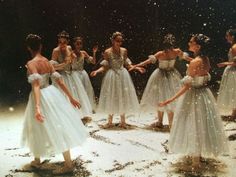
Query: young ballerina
52, 124
197, 127
78, 67
164, 81
117, 94
61, 60
227, 94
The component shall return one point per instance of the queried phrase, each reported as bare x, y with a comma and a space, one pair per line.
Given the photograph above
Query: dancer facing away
226, 100
117, 94
78, 67
61, 60
52, 125
197, 127
164, 81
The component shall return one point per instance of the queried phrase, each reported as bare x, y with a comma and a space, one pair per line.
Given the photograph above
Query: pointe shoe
63, 170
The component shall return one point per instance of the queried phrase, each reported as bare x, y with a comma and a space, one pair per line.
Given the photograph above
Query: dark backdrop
143, 22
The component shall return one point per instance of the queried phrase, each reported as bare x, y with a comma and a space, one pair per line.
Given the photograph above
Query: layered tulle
197, 127
84, 78
161, 85
77, 90
118, 94
61, 130
226, 100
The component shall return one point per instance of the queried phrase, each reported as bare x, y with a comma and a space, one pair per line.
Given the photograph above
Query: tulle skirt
226, 100
84, 78
118, 94
161, 86
197, 127
61, 130
75, 86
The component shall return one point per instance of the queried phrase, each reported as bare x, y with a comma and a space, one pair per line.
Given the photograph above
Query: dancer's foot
63, 170
35, 164
48, 166
123, 125
157, 124
107, 125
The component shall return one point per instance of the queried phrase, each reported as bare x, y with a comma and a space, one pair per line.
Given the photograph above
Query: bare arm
183, 55
60, 66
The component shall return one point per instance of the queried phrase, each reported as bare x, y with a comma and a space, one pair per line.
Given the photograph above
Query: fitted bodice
116, 61
43, 78
167, 64
78, 63
197, 81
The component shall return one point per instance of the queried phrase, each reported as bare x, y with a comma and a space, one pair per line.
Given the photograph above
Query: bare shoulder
233, 49
178, 50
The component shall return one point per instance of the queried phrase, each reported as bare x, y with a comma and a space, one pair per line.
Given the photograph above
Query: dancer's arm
183, 55
57, 66
35, 82
103, 68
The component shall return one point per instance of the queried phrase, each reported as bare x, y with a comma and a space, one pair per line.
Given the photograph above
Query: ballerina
117, 94
61, 60
227, 94
51, 123
78, 68
197, 127
164, 81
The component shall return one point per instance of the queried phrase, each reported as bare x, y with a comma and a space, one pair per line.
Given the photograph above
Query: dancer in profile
62, 57
226, 100
117, 94
52, 125
197, 127
164, 81
78, 67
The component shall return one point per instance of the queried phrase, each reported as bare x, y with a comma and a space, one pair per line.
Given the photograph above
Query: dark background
143, 22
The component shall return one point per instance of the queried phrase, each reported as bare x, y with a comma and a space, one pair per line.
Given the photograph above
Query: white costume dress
162, 84
62, 128
197, 127
226, 100
117, 94
78, 71
74, 85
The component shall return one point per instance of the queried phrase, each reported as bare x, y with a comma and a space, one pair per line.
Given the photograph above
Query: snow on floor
107, 153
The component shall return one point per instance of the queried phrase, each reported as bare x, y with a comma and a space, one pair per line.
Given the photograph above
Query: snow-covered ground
123, 153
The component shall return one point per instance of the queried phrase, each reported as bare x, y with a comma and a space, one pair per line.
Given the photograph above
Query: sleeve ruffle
187, 80
55, 75
104, 63
152, 58
34, 77
53, 62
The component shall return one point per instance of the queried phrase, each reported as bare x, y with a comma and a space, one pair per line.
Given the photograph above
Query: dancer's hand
132, 68
75, 103
141, 69
164, 103
39, 117
93, 73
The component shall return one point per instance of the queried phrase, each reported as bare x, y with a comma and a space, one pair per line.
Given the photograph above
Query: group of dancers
52, 125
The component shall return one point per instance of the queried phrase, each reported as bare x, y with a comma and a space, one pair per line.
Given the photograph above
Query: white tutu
77, 90
197, 127
118, 94
226, 100
83, 75
161, 85
62, 128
